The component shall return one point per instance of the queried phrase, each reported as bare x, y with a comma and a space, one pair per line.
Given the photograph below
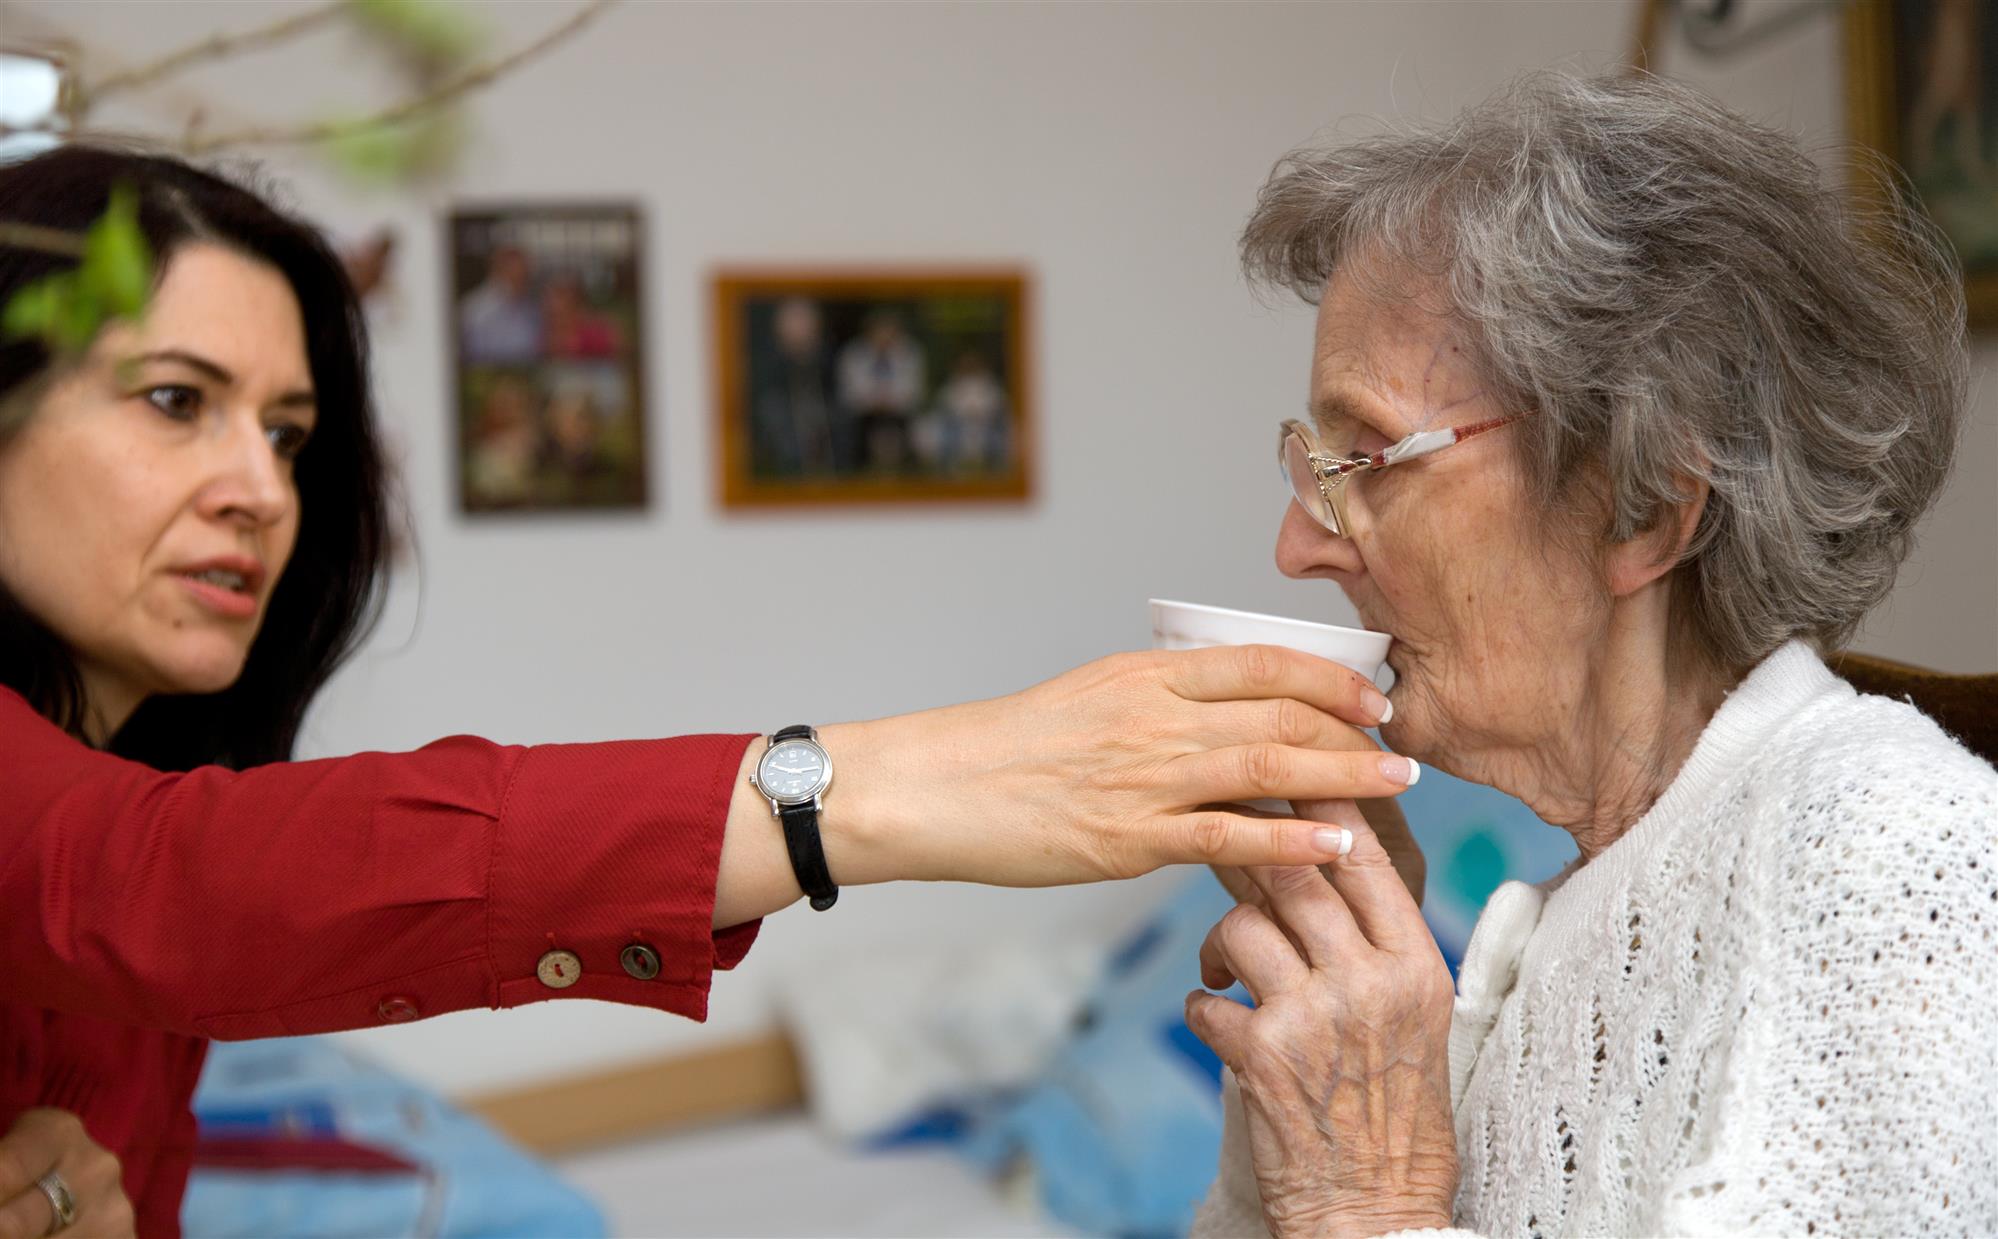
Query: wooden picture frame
873, 386
1921, 88
547, 327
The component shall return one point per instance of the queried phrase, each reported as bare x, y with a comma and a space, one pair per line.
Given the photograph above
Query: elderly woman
1618, 422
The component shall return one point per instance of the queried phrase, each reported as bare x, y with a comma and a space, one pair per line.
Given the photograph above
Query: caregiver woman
191, 525
1679, 414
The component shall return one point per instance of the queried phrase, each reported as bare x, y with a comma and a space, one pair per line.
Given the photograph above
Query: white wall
1115, 151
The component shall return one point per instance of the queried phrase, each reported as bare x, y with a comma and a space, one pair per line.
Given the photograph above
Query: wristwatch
793, 774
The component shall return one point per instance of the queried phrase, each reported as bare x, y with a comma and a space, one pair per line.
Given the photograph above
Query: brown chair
1965, 706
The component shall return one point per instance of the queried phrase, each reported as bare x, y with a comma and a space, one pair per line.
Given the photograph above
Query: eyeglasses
1320, 480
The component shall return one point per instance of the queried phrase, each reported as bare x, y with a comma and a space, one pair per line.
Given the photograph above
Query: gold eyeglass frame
1332, 473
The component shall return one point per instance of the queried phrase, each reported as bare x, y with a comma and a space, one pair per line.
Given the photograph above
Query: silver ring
60, 1200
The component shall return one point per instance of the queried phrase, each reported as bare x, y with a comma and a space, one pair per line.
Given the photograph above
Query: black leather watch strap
801, 839
808, 855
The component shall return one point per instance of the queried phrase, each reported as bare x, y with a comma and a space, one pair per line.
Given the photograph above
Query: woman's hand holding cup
1110, 771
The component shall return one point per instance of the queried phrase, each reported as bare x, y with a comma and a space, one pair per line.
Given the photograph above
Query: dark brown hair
329, 595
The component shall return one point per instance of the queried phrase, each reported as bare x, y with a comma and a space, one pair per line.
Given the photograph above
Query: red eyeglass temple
1492, 423
1457, 435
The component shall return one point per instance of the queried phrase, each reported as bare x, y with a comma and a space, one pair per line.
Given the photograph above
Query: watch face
793, 772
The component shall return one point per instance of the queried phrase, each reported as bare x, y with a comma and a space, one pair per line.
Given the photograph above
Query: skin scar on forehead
1440, 395
1397, 367
1448, 385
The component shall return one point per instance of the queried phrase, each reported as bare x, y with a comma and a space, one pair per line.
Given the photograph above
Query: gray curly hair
1674, 293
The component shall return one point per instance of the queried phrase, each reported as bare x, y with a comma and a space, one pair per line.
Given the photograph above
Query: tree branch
1647, 37
132, 136
213, 47
41, 240
459, 84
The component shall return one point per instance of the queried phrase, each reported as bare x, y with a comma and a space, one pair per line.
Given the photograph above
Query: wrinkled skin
1350, 1133
1536, 665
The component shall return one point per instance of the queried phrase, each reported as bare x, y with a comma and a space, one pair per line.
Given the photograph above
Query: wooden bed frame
753, 1076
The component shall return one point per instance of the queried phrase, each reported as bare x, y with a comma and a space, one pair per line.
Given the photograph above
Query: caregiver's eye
176, 400
288, 440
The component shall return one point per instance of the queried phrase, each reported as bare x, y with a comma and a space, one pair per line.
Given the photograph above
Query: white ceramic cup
1192, 626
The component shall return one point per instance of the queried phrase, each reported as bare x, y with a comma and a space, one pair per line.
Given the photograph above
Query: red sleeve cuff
604, 847
733, 943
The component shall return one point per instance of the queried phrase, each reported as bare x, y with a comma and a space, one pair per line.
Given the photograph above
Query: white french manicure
1333, 842
1375, 702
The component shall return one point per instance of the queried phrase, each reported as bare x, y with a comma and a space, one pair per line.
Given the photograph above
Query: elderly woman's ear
1636, 562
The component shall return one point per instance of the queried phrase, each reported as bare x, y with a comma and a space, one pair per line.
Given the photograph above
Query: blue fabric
469, 1180
1474, 838
1125, 1128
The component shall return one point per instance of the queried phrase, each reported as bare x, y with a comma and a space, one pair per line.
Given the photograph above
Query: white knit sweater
1770, 1008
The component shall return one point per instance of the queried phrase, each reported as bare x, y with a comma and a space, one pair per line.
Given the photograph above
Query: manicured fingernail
1333, 842
1402, 770
1375, 703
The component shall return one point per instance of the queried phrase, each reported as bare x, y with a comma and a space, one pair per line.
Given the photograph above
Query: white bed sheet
779, 1177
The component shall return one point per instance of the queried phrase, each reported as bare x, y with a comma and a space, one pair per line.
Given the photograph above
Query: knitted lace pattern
1771, 1007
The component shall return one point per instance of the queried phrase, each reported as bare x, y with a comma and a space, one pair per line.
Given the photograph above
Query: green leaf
82, 313
66, 310
33, 311
388, 155
438, 36
117, 263
58, 310
373, 154
436, 139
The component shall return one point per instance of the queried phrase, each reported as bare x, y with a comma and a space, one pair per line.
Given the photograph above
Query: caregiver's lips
229, 585
231, 603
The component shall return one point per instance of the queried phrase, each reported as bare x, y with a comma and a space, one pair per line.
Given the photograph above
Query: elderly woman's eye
176, 400
1355, 438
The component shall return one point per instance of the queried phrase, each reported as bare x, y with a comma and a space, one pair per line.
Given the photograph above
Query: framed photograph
548, 340
870, 387
1922, 89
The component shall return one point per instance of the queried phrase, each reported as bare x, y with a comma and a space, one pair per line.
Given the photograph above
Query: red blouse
142, 913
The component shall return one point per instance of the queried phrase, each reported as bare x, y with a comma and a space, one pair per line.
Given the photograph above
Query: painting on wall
1922, 89
872, 387
546, 326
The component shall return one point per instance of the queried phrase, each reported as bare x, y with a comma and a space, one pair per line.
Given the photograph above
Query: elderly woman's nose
1306, 548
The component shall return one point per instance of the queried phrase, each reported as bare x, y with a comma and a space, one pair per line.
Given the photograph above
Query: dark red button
397, 1010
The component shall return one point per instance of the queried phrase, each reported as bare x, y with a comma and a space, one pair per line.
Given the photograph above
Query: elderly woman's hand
1383, 817
43, 1141
1343, 1064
